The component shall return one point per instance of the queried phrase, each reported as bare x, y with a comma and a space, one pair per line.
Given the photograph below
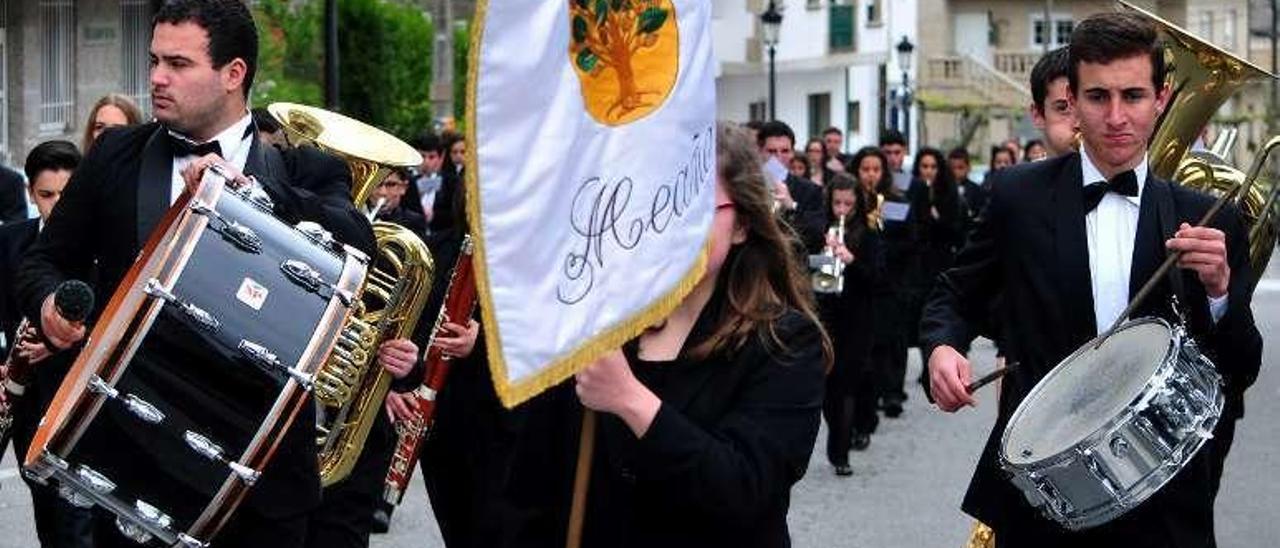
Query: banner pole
582, 479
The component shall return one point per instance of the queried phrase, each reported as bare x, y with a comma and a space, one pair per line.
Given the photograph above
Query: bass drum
197, 366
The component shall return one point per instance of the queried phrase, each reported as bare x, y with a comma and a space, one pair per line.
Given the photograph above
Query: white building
835, 64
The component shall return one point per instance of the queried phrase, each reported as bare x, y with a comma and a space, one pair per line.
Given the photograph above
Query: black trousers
345, 516
889, 359
849, 404
58, 523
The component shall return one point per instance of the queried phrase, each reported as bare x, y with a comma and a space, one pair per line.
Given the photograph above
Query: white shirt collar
1091, 174
230, 140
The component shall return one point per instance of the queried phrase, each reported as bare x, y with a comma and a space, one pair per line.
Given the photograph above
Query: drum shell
1125, 462
195, 373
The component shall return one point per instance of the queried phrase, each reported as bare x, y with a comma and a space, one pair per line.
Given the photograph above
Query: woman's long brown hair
762, 277
126, 105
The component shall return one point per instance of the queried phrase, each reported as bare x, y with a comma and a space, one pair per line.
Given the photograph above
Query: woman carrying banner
709, 417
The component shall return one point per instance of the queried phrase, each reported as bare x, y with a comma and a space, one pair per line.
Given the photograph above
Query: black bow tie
1124, 184
183, 146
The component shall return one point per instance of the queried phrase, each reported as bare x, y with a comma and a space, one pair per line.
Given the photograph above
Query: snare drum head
1084, 392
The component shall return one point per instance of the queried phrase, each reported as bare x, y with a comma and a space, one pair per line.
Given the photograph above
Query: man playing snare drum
1068, 256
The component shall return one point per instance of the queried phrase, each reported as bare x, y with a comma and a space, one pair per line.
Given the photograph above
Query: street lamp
771, 24
905, 49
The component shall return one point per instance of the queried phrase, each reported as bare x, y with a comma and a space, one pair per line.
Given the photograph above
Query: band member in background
1001, 158
1056, 240
112, 110
203, 58
905, 219
49, 165
420, 197
894, 146
936, 204
13, 206
817, 162
849, 404
971, 193
1051, 102
799, 200
452, 175
270, 132
833, 140
710, 416
393, 209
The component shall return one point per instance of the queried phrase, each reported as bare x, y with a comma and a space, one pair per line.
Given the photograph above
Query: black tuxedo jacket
1031, 246
13, 205
809, 219
15, 239
117, 197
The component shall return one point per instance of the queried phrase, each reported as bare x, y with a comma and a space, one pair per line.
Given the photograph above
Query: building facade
835, 64
58, 57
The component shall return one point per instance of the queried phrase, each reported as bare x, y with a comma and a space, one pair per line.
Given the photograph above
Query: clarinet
459, 303
74, 301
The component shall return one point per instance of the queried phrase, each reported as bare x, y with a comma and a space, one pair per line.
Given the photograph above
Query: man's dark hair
892, 137
775, 129
264, 121
832, 129
959, 153
1106, 37
51, 155
428, 141
232, 33
1050, 67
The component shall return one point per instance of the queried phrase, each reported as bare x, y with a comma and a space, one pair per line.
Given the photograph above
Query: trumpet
828, 276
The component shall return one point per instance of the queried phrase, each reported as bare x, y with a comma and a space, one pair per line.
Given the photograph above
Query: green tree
291, 55
385, 74
461, 64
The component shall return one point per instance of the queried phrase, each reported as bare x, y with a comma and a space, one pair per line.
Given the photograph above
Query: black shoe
844, 470
381, 522
893, 410
861, 442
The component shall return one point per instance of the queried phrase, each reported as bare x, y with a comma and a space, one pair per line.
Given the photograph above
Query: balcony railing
964, 78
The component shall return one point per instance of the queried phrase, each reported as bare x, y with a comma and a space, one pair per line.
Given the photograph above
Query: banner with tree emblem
590, 176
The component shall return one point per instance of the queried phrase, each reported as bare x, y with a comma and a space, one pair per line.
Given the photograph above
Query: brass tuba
1201, 77
350, 387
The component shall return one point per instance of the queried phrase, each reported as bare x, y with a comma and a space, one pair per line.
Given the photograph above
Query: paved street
907, 487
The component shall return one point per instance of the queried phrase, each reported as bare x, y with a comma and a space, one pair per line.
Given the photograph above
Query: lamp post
905, 49
771, 24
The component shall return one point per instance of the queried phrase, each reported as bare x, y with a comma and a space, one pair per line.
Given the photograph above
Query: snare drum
197, 367
1108, 427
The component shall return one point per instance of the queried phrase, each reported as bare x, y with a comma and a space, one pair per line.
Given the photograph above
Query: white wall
734, 95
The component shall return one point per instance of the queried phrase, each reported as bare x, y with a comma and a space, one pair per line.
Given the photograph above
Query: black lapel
1072, 245
155, 182
1156, 223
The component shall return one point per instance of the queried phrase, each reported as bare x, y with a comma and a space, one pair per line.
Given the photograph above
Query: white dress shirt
235, 144
1111, 229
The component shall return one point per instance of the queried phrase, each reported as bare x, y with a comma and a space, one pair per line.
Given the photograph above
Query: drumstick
989, 378
1169, 261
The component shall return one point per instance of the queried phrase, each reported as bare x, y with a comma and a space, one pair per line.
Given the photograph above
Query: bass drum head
1084, 392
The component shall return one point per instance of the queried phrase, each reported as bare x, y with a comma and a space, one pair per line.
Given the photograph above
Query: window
853, 117
135, 45
758, 111
1206, 26
57, 30
875, 13
1229, 31
1058, 34
813, 4
819, 112
842, 23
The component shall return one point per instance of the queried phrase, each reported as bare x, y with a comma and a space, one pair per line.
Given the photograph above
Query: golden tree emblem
626, 54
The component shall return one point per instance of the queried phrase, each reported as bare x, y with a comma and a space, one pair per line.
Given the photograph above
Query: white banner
590, 178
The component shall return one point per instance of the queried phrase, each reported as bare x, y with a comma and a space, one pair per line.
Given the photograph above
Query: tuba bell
1201, 78
350, 387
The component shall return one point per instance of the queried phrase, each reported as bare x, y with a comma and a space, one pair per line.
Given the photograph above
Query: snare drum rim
1094, 438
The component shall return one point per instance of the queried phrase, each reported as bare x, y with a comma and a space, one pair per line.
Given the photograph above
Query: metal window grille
135, 58
57, 25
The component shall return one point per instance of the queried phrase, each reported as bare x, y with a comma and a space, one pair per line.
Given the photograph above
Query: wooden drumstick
989, 378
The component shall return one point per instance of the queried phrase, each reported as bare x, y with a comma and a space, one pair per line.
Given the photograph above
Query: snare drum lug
73, 497
202, 318
201, 208
56, 461
258, 354
97, 385
95, 480
306, 380
247, 475
132, 531
302, 274
316, 232
202, 445
143, 410
187, 541
243, 237
255, 194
